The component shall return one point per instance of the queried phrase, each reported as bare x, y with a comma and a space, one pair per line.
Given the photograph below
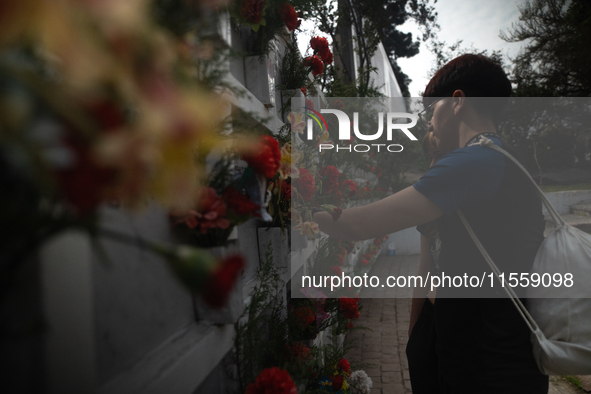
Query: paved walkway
384, 346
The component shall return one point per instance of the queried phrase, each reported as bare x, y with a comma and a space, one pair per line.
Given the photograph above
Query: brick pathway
384, 345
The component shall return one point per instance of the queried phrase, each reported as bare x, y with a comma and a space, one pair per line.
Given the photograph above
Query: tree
556, 56
387, 16
376, 21
444, 53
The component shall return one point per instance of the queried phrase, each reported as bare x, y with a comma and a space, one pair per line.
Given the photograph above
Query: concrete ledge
178, 365
562, 201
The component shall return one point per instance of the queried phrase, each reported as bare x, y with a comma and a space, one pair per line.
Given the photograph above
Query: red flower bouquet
344, 366
272, 381
265, 159
315, 64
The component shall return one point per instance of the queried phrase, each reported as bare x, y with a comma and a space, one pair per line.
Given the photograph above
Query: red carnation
337, 382
300, 351
351, 185
364, 261
272, 381
252, 10
320, 46
338, 104
306, 184
344, 366
239, 203
288, 15
305, 316
330, 176
349, 308
328, 58
304, 90
336, 270
266, 158
222, 280
286, 191
315, 64
349, 326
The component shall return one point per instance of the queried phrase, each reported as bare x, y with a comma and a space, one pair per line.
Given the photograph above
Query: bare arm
407, 208
419, 293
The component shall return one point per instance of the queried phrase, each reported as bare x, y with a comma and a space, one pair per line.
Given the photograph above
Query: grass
563, 188
575, 382
572, 381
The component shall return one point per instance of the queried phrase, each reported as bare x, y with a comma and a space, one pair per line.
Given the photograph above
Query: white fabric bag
560, 325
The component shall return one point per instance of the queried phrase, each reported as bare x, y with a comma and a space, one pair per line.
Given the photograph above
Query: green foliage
555, 58
261, 331
386, 16
269, 335
554, 61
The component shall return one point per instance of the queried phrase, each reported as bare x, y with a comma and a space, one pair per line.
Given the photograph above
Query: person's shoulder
472, 157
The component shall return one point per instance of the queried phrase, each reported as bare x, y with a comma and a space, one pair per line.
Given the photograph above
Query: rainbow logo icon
315, 116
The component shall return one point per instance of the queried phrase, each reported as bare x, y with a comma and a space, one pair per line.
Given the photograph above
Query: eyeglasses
426, 114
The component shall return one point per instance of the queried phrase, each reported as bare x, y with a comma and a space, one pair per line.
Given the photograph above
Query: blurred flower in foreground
212, 278
289, 15
210, 212
287, 169
131, 122
264, 157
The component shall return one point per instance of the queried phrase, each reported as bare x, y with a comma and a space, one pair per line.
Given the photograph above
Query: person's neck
468, 131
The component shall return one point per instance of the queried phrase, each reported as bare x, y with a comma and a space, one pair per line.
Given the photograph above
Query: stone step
581, 209
572, 219
581, 222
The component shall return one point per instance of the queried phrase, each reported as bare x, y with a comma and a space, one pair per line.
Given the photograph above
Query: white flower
361, 381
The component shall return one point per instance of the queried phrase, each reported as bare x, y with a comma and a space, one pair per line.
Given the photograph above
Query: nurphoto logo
345, 130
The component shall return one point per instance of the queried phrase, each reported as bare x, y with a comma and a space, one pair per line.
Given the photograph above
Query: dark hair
476, 76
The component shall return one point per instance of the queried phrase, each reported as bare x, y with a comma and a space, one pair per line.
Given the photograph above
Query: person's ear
459, 101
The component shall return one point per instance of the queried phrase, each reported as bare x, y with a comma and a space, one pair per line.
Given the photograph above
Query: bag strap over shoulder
516, 301
559, 222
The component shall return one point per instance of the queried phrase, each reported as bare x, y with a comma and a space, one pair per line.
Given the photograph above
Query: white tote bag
560, 325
